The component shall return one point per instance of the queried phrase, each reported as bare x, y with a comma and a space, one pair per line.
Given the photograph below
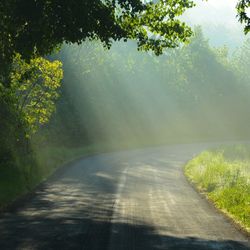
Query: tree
243, 8
34, 86
31, 27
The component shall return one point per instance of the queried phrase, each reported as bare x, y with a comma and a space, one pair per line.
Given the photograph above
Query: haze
219, 21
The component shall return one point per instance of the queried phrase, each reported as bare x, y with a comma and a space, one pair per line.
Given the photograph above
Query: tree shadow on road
68, 233
77, 212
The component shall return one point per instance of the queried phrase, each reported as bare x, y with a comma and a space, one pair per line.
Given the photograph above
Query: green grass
224, 175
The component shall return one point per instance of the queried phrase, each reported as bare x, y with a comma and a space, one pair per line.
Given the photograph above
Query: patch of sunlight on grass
224, 175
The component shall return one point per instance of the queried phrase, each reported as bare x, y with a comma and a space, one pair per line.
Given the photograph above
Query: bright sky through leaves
219, 21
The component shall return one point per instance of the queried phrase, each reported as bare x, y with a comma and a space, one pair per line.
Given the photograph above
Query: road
121, 201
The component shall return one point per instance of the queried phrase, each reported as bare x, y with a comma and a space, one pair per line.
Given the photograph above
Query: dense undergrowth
224, 175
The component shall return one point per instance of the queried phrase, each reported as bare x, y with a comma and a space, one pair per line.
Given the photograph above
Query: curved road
121, 201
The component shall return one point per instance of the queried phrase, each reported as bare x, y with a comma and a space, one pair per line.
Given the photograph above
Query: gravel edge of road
212, 204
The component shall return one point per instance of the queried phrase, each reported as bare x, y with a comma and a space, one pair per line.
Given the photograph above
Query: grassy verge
224, 175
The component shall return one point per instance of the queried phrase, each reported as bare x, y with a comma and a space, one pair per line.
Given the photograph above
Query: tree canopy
30, 26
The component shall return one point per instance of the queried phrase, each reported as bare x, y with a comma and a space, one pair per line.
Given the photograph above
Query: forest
65, 91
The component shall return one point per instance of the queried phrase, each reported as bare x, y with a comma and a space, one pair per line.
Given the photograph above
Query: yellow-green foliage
35, 85
224, 174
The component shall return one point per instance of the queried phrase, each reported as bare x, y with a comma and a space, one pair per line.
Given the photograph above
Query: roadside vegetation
223, 174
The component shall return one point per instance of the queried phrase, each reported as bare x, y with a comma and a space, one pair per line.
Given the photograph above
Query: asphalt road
121, 201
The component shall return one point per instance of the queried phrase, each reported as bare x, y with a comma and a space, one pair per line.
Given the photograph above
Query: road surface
121, 201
